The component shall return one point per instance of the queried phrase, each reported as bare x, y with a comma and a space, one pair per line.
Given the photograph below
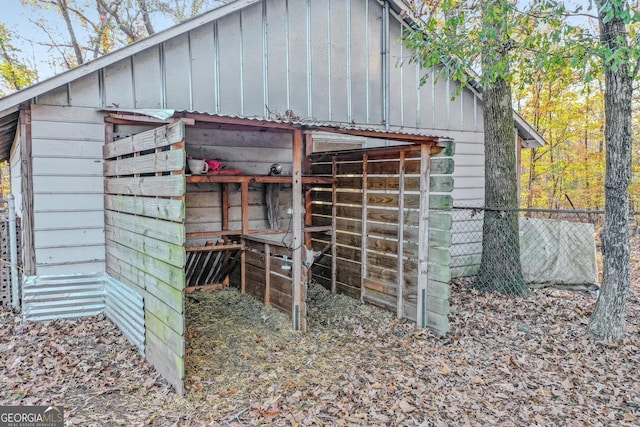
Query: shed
250, 83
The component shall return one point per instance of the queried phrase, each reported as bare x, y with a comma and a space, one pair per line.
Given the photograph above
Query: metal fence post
13, 252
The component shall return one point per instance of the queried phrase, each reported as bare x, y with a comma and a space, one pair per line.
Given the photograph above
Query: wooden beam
204, 288
245, 206
400, 266
298, 308
423, 238
213, 248
267, 274
260, 179
363, 246
334, 220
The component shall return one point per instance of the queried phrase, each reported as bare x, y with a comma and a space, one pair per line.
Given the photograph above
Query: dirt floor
506, 362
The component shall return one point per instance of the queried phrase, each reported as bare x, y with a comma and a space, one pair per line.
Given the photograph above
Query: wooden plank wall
144, 202
251, 152
367, 202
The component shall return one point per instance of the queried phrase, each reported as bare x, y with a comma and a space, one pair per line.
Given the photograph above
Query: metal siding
66, 167
338, 50
456, 107
62, 297
125, 308
426, 100
229, 63
252, 58
395, 73
85, 92
57, 96
298, 72
147, 78
68, 220
52, 148
68, 185
358, 62
277, 56
69, 238
319, 59
374, 82
469, 119
118, 84
409, 90
15, 162
177, 71
440, 103
203, 65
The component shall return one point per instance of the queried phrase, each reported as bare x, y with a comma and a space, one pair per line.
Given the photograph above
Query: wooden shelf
264, 179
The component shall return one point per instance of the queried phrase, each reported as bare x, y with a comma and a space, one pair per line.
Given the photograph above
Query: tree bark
500, 268
62, 4
608, 319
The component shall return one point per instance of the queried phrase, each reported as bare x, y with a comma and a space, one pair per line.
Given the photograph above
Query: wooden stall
274, 215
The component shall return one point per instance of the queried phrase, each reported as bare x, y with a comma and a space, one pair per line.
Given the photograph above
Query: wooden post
243, 267
334, 225
423, 236
363, 244
225, 206
267, 274
400, 267
298, 309
245, 206
308, 212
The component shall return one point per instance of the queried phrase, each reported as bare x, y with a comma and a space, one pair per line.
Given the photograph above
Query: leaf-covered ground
506, 362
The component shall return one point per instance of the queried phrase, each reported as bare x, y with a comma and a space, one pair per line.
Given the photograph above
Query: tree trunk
62, 4
608, 319
500, 268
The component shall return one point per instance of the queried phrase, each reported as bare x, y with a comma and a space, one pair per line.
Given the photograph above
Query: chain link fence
559, 248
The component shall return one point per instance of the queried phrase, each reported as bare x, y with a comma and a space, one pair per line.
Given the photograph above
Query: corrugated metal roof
288, 121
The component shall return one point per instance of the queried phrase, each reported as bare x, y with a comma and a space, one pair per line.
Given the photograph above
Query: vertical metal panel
338, 39
277, 69
252, 60
176, 55
425, 117
440, 103
376, 115
298, 57
358, 59
320, 58
203, 73
229, 63
468, 111
216, 68
118, 84
62, 297
125, 308
455, 108
410, 99
395, 73
147, 79
58, 96
84, 92
265, 59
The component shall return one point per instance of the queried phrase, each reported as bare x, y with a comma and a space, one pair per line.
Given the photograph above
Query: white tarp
555, 252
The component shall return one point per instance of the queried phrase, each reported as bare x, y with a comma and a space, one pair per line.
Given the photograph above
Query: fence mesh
556, 248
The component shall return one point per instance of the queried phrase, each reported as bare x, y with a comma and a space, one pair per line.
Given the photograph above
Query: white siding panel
66, 167
147, 79
85, 92
319, 59
66, 147
57, 96
252, 59
338, 68
178, 72
203, 66
70, 255
65, 238
298, 72
230, 68
118, 81
78, 268
68, 184
16, 174
68, 220
60, 130
68, 202
277, 55
395, 73
358, 62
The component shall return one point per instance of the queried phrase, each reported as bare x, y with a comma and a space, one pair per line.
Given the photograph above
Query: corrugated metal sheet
165, 114
125, 308
63, 297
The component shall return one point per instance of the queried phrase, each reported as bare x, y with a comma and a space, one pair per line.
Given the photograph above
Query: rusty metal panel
147, 78
253, 78
178, 72
62, 297
203, 66
125, 308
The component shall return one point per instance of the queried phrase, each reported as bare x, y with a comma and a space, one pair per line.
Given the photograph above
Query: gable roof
10, 103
